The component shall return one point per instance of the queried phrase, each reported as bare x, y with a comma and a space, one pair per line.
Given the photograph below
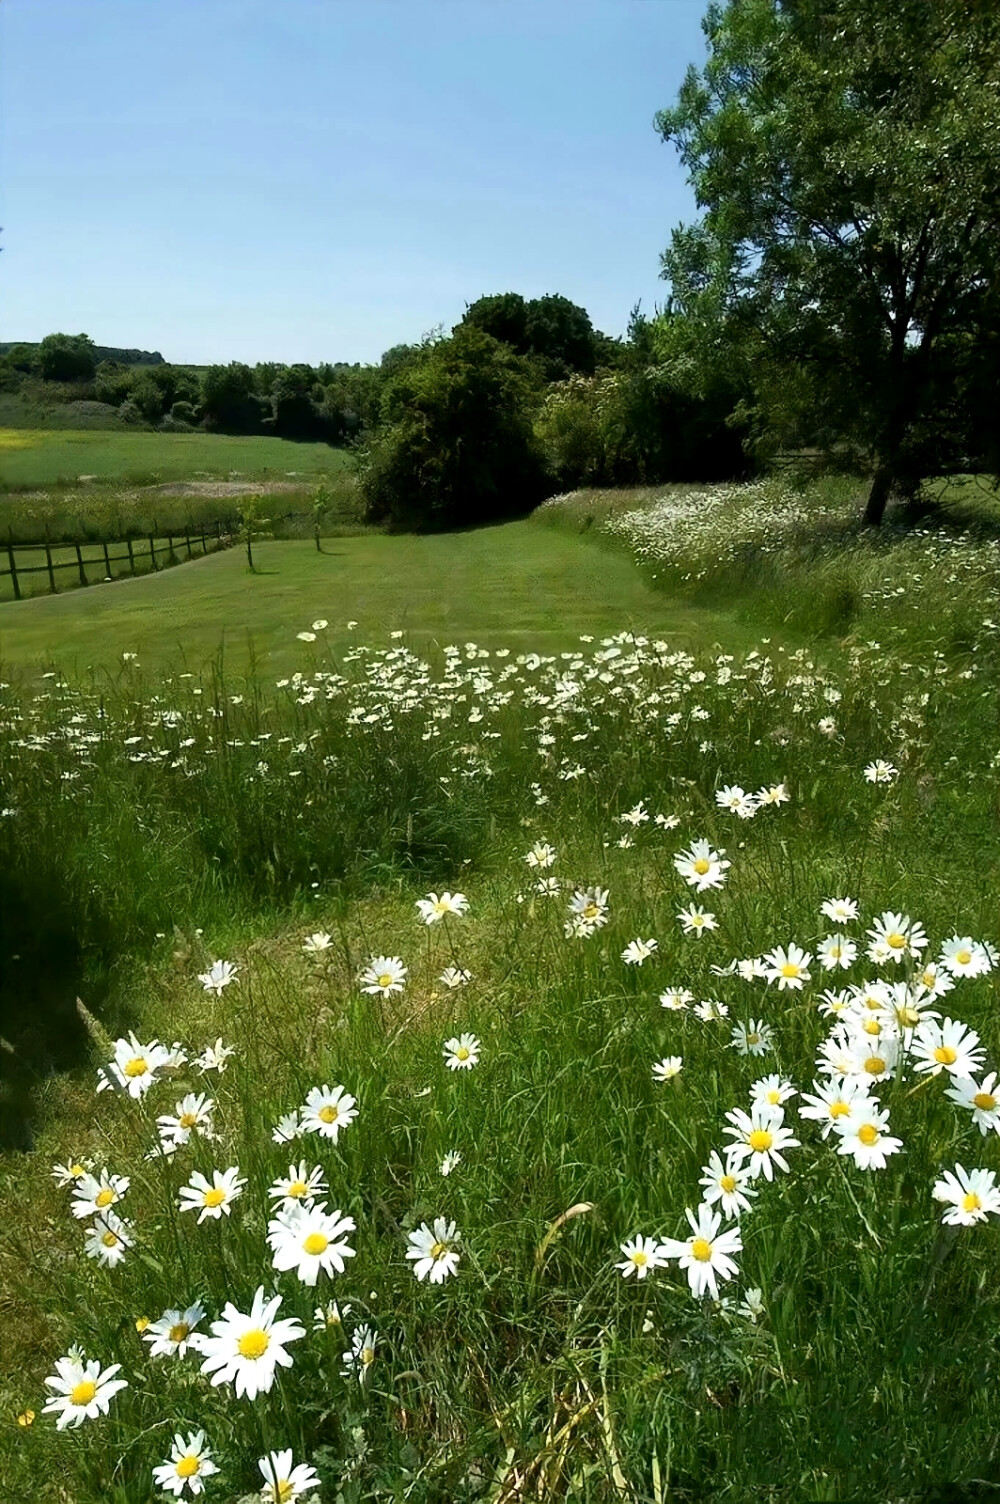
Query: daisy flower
971, 1196
775, 793
947, 1046
737, 801
452, 1159
174, 1333
711, 1011
728, 1183
541, 855
96, 1193
81, 1390
135, 1066
383, 975
667, 1068
300, 1187
982, 1100
773, 1091
836, 950
69, 1174
361, 1354
588, 910
642, 1255
754, 1038
881, 771
706, 1253
701, 866
863, 1135
831, 1100
893, 937
840, 910
433, 1250
789, 968
245, 1350
214, 1057
753, 969
935, 979
964, 957
192, 1114
461, 1054
433, 908
454, 976
218, 976
310, 1240
288, 1128
759, 1137
211, 1198
677, 999
189, 1464
329, 1316
283, 1483
752, 1306
694, 920
317, 944
108, 1239
328, 1109
638, 951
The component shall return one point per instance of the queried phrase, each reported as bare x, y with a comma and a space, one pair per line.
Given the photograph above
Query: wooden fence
140, 556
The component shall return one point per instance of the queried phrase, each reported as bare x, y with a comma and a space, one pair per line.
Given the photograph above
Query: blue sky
320, 179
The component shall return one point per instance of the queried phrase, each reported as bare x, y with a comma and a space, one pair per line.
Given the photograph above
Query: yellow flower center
839, 1109
367, 1356
591, 911
179, 1331
963, 957
441, 907
701, 1249
284, 1491
760, 1140
728, 1183
216, 1196
137, 1066
77, 1172
316, 1243
109, 1239
104, 1198
908, 1017
83, 1393
188, 1119
297, 1189
188, 1466
872, 1026
928, 978
868, 1134
945, 1054
971, 1202
141, 1323
462, 1053
874, 1065
640, 1259
328, 1114
790, 969
872, 1002
441, 1248
701, 866
385, 980
253, 1344
774, 1096
896, 941
984, 1101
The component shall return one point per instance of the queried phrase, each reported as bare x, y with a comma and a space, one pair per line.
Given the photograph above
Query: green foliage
847, 158
112, 383
556, 332
456, 446
66, 357
229, 399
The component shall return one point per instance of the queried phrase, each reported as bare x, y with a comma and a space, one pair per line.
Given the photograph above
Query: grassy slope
37, 457
509, 584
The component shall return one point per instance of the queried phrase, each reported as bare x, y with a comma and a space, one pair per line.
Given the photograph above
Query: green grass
511, 583
49, 457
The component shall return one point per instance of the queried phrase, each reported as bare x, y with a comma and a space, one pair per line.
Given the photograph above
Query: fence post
48, 561
187, 540
170, 546
107, 558
131, 556
79, 565
13, 566
152, 552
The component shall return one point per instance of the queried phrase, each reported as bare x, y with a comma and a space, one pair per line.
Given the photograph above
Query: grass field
33, 458
613, 1032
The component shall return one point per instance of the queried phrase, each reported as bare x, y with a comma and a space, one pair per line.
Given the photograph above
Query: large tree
846, 155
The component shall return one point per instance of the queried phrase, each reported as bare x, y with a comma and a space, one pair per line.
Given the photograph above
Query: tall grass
180, 822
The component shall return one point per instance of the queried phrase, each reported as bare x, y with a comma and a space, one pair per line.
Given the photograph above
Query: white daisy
81, 1390
383, 975
283, 1483
328, 1109
728, 1183
211, 1198
301, 1186
707, 1252
759, 1137
434, 1250
218, 976
214, 1057
788, 967
982, 1100
642, 1256
245, 1349
434, 907
174, 1332
461, 1054
360, 1356
638, 951
947, 1046
840, 910
701, 866
971, 1196
93, 1194
108, 1239
863, 1135
189, 1464
667, 1068
310, 1240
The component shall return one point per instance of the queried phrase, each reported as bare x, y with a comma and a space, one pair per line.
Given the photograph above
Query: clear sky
321, 179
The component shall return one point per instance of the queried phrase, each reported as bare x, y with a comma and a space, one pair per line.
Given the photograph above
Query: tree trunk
878, 496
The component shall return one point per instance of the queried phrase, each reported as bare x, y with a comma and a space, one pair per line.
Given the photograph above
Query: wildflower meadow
507, 1075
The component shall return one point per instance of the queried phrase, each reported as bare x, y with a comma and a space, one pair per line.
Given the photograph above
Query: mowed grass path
515, 584
45, 457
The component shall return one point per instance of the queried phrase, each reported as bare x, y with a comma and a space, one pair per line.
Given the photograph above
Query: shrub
457, 445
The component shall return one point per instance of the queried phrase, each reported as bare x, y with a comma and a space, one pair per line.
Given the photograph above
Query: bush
66, 357
457, 445
184, 412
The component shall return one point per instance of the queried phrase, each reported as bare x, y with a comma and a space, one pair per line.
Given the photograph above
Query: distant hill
103, 352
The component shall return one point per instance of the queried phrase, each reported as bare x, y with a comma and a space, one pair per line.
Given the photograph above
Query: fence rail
140, 556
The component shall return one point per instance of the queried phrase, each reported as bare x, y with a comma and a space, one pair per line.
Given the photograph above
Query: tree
228, 398
66, 357
456, 445
555, 331
846, 154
